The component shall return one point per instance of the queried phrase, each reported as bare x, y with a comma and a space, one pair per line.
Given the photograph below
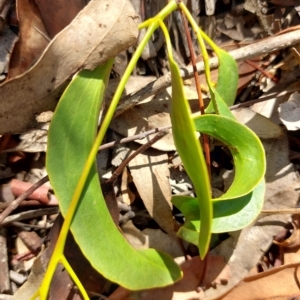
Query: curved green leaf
227, 79
188, 147
245, 147
228, 215
240, 205
71, 136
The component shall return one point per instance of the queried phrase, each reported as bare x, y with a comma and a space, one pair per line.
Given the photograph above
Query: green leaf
243, 201
245, 147
227, 79
71, 137
188, 147
229, 215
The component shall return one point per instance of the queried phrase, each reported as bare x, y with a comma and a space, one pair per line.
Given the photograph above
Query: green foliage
228, 215
245, 147
189, 149
245, 195
240, 205
76, 120
72, 147
246, 192
227, 83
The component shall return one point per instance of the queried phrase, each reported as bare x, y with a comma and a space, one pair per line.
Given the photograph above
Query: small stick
264, 72
264, 98
119, 170
29, 214
4, 205
283, 211
15, 203
139, 136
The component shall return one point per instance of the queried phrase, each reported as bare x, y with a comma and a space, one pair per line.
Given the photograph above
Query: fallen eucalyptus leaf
150, 174
262, 126
146, 116
95, 35
57, 17
151, 238
33, 38
276, 283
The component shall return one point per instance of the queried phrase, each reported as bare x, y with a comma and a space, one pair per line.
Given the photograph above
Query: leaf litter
38, 89
238, 254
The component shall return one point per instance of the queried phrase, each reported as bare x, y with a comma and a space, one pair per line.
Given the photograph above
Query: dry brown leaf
151, 113
32, 38
58, 14
151, 238
95, 35
34, 140
269, 108
291, 255
150, 174
262, 126
134, 84
277, 283
145, 117
291, 60
184, 289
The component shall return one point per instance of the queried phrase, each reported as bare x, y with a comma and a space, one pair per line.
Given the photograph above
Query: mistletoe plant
72, 148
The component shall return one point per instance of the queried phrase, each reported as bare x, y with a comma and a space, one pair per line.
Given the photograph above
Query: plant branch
15, 203
139, 136
261, 47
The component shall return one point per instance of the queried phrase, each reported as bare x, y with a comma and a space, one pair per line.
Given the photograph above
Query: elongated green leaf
188, 147
71, 136
228, 215
245, 147
227, 79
